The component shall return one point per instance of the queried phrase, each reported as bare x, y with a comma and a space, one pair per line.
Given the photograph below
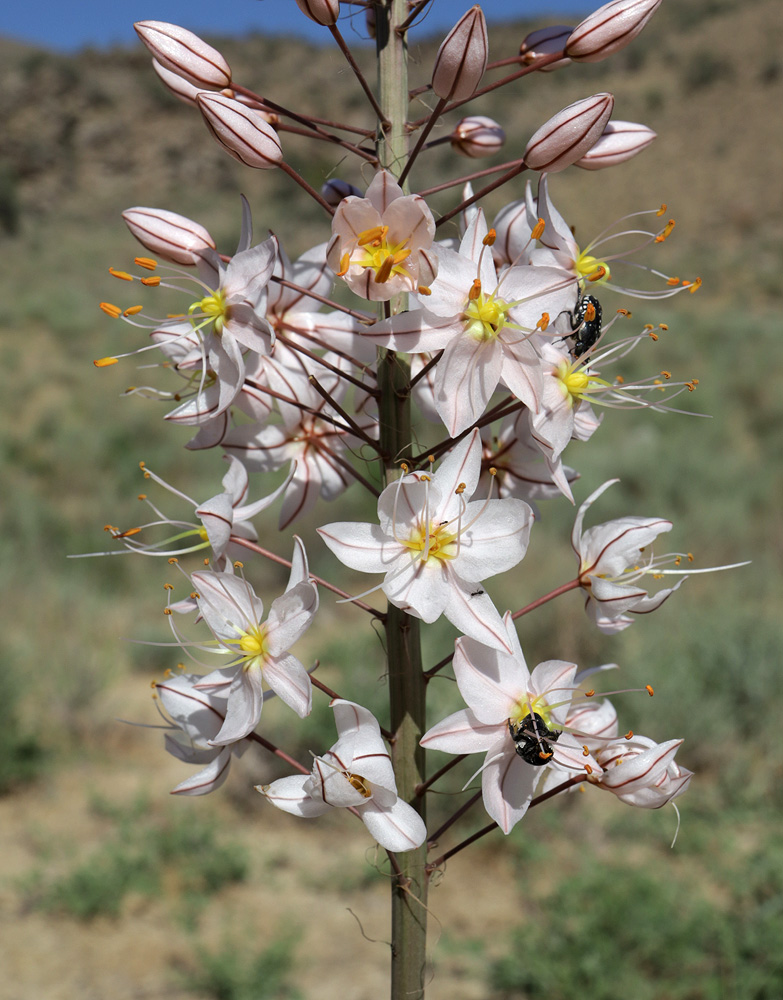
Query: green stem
407, 684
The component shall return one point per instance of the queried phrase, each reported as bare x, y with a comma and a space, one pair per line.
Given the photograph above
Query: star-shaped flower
356, 773
434, 547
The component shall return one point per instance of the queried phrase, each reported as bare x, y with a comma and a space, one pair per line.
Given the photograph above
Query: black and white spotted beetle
585, 324
532, 739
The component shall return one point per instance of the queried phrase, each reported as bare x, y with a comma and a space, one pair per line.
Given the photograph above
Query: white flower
511, 712
381, 243
259, 649
483, 324
612, 564
356, 773
643, 773
434, 548
198, 715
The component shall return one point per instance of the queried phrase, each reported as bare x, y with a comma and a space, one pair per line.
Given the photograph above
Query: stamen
538, 230
105, 362
146, 262
111, 310
123, 275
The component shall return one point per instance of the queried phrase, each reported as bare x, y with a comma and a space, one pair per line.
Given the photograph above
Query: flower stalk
407, 685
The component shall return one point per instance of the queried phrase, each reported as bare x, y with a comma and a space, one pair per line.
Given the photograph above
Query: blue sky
68, 26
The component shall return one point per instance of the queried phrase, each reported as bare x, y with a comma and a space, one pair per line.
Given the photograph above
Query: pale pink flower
483, 324
643, 773
312, 444
477, 136
544, 42
609, 29
356, 773
197, 717
381, 244
502, 695
434, 548
184, 53
620, 142
462, 57
612, 564
220, 518
521, 470
568, 135
259, 649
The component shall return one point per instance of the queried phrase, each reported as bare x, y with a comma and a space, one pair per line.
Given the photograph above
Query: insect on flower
532, 738
585, 324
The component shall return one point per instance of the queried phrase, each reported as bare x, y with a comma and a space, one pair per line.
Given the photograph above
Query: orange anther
649, 690
590, 693
673, 281
345, 263
114, 311
665, 232
383, 273
475, 290
105, 362
123, 275
128, 533
543, 321
629, 735
588, 769
661, 210
167, 611
146, 262
153, 282
423, 290
666, 375
538, 230
132, 310
597, 274
489, 239
585, 751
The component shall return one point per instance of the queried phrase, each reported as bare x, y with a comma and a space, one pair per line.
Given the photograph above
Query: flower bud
242, 131
462, 58
620, 141
185, 53
334, 190
567, 136
168, 235
178, 85
543, 42
609, 28
477, 136
323, 12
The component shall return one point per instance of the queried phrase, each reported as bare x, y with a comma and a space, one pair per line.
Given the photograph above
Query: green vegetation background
85, 137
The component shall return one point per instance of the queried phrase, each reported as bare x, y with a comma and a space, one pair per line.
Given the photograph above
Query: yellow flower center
485, 316
576, 382
531, 706
592, 269
253, 644
438, 543
211, 309
382, 257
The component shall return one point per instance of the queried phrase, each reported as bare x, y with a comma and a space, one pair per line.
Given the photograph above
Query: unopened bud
323, 12
462, 58
178, 85
184, 53
168, 235
477, 136
609, 28
242, 131
569, 134
620, 141
543, 42
334, 190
